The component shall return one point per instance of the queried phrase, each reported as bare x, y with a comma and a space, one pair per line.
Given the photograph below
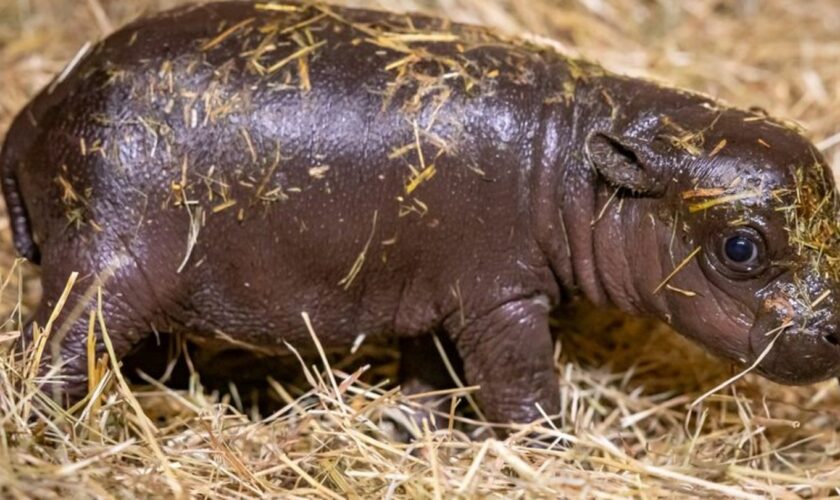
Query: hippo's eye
743, 251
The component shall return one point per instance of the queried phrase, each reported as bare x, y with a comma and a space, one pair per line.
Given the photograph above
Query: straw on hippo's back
221, 169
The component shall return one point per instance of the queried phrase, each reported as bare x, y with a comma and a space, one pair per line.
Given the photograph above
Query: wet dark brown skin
395, 175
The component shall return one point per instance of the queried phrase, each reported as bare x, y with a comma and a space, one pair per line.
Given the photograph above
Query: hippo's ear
624, 162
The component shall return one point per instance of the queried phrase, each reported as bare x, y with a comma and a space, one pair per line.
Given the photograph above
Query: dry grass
628, 427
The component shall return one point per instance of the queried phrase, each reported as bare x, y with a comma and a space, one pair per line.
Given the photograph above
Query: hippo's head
731, 233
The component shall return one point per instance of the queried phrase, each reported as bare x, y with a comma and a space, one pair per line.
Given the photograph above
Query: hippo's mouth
791, 354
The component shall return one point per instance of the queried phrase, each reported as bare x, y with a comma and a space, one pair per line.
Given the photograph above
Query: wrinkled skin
299, 162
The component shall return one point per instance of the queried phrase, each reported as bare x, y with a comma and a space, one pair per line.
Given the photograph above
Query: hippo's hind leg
110, 285
508, 352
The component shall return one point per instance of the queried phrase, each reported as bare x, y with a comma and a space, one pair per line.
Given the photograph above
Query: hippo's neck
567, 189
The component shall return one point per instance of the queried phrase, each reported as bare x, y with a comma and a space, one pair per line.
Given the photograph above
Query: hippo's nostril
832, 339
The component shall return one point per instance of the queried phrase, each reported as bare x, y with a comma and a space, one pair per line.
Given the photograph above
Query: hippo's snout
797, 355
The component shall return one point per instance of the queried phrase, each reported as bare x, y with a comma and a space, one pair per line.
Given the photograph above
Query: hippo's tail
18, 216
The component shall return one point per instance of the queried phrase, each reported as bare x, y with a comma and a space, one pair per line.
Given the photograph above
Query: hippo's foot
423, 375
63, 373
508, 353
62, 381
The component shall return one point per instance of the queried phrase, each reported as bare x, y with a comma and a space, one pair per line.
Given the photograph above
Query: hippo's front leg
508, 352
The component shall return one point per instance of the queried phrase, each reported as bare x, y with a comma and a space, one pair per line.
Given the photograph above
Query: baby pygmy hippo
220, 169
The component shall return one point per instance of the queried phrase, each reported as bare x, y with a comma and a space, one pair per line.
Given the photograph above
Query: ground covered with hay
644, 413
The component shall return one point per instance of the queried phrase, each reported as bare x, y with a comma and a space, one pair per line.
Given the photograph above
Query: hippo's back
292, 148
